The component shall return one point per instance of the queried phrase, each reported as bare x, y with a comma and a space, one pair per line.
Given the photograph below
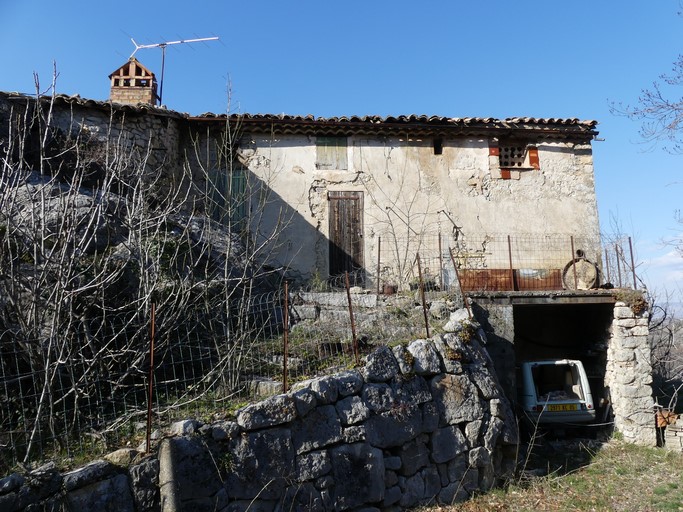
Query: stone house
509, 202
350, 192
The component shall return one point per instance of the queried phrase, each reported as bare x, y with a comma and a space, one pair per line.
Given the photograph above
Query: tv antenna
163, 54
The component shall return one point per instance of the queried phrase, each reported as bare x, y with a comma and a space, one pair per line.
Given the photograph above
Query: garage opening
580, 332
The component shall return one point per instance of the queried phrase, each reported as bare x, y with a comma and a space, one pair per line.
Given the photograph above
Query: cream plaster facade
410, 194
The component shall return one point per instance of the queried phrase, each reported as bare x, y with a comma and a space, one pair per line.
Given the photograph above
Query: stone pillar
629, 376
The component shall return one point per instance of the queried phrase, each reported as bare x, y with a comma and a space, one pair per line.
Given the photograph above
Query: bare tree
659, 109
94, 229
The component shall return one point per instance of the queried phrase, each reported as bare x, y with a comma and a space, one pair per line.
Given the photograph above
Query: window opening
228, 197
512, 155
438, 146
331, 153
557, 382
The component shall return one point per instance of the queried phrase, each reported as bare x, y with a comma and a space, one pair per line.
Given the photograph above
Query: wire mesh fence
501, 262
93, 397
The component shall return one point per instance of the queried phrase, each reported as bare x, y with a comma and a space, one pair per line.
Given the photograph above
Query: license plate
561, 407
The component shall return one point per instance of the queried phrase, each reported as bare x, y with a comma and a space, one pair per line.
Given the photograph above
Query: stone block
404, 358
432, 480
456, 398
381, 366
379, 397
626, 323
622, 311
390, 478
414, 491
110, 495
452, 494
270, 412
392, 462
358, 471
430, 417
184, 427
11, 483
642, 331
394, 428
352, 410
354, 434
313, 465
495, 428
426, 358
304, 400
349, 382
446, 443
479, 457
472, 430
144, 480
325, 389
414, 389
250, 477
414, 456
623, 356
392, 496
320, 428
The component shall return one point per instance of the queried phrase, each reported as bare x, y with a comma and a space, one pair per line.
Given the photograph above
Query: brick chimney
133, 83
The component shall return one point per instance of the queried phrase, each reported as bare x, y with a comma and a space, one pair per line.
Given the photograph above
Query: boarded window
228, 197
331, 153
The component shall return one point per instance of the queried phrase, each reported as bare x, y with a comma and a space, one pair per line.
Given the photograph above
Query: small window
438, 146
512, 156
518, 155
331, 153
228, 197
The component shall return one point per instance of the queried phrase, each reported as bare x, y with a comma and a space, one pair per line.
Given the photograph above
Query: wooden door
346, 235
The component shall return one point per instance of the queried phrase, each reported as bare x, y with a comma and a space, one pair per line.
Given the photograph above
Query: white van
556, 391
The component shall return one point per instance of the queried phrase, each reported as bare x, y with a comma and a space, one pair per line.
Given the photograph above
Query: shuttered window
228, 197
331, 153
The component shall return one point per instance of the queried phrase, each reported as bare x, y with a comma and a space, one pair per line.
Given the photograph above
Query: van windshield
556, 382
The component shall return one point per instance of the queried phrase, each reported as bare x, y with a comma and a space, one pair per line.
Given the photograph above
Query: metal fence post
457, 276
285, 340
440, 264
576, 278
616, 252
633, 264
422, 295
353, 323
379, 260
512, 272
150, 395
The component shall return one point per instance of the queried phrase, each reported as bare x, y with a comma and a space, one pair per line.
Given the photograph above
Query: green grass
618, 476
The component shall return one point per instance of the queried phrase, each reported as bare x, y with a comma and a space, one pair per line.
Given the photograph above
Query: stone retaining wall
420, 423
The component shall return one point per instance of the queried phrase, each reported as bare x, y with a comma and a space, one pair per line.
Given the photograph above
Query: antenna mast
163, 54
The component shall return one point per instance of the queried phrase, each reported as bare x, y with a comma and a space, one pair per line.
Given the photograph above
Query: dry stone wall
629, 375
424, 422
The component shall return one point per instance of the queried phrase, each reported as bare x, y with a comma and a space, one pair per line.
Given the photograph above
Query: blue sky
496, 58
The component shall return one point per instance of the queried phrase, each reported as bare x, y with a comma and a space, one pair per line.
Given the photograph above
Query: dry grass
619, 477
